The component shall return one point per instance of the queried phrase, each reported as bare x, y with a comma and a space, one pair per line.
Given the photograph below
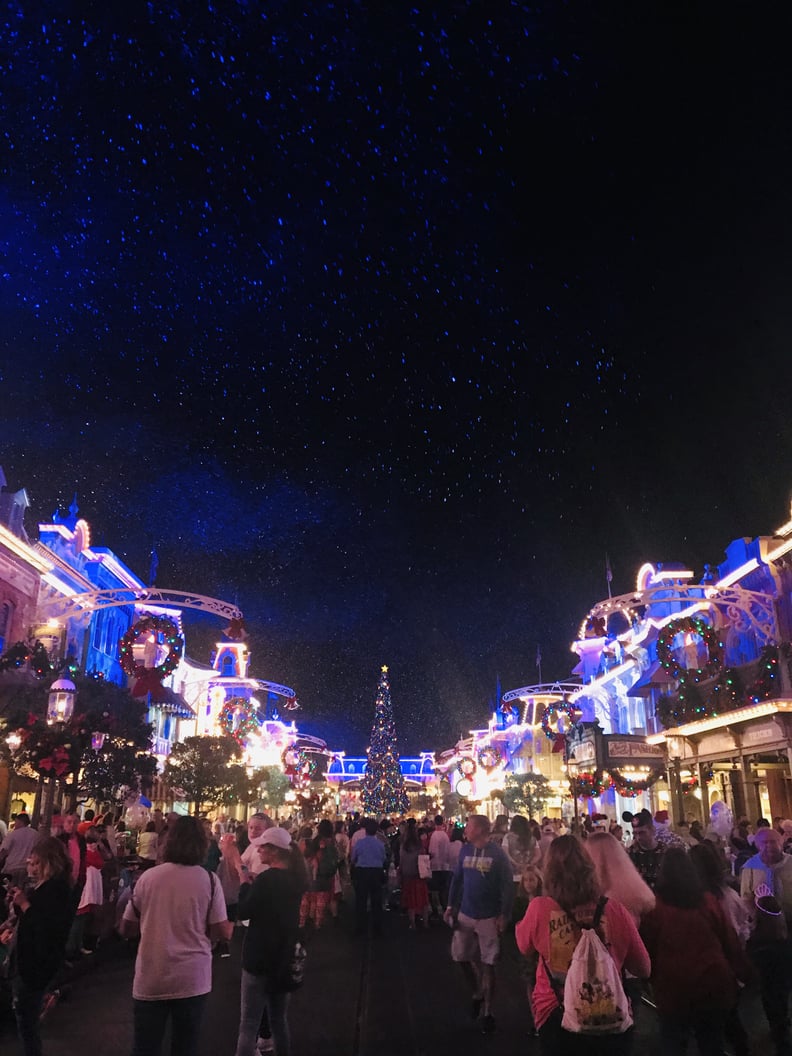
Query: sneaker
488, 1025
265, 1045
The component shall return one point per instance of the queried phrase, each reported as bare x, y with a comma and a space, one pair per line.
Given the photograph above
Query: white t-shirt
438, 851
252, 859
174, 957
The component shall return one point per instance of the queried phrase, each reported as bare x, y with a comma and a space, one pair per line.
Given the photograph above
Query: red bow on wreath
149, 680
58, 762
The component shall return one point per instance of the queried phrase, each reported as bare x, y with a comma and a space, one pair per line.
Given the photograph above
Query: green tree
273, 784
525, 794
66, 751
383, 783
205, 770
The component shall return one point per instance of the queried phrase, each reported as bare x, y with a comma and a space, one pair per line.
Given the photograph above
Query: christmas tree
383, 784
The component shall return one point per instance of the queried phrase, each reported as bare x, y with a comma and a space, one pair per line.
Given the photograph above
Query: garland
489, 757
689, 625
150, 678
247, 719
630, 787
590, 785
766, 683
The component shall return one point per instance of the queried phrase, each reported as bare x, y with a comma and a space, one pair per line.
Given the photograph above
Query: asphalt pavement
395, 995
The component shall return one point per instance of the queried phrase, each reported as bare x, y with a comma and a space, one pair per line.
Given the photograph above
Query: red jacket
696, 957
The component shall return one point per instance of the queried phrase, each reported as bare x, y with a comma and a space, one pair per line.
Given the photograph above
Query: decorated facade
525, 735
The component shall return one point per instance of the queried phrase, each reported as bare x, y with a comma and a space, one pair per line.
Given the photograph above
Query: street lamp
60, 705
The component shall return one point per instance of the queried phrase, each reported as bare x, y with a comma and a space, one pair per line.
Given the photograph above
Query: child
530, 888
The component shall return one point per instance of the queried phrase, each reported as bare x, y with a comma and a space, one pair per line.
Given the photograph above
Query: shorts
475, 940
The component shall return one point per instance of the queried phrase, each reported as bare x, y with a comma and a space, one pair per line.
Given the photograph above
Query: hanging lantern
60, 706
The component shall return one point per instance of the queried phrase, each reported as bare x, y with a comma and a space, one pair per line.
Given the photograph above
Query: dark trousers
706, 1028
27, 1008
439, 885
151, 1019
555, 1041
774, 965
368, 888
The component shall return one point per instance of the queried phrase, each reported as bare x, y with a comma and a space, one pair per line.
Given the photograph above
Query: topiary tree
205, 770
526, 794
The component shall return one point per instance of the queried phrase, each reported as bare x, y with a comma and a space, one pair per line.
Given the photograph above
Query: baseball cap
277, 836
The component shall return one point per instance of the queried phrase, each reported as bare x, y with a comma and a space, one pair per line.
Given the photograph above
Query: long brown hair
53, 858
569, 875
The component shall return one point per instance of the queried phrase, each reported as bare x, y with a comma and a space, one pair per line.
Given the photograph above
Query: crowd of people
687, 917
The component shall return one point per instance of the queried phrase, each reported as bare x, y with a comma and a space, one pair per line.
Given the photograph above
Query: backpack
327, 863
593, 998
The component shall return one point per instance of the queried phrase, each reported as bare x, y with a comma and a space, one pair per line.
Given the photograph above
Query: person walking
573, 899
178, 910
17, 846
479, 904
77, 850
414, 889
617, 875
369, 855
709, 864
521, 850
771, 951
439, 856
271, 905
646, 849
44, 916
697, 961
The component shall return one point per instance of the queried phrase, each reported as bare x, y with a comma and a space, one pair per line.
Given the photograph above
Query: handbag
293, 973
770, 925
424, 867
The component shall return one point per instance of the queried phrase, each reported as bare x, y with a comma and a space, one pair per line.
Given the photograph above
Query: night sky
389, 321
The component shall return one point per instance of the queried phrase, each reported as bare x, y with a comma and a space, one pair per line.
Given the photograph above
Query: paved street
398, 995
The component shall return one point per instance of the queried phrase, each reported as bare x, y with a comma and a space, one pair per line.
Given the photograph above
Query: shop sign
761, 733
628, 751
583, 747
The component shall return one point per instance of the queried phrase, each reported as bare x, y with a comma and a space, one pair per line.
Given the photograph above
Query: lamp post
60, 708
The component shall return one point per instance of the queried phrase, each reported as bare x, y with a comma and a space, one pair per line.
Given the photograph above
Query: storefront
742, 757
613, 772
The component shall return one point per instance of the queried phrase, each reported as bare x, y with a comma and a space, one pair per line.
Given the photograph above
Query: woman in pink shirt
551, 927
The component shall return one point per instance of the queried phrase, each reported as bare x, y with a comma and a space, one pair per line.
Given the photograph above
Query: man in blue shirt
368, 872
479, 904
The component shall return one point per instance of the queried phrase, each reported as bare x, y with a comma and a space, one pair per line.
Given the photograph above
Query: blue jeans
255, 1000
27, 1007
151, 1019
